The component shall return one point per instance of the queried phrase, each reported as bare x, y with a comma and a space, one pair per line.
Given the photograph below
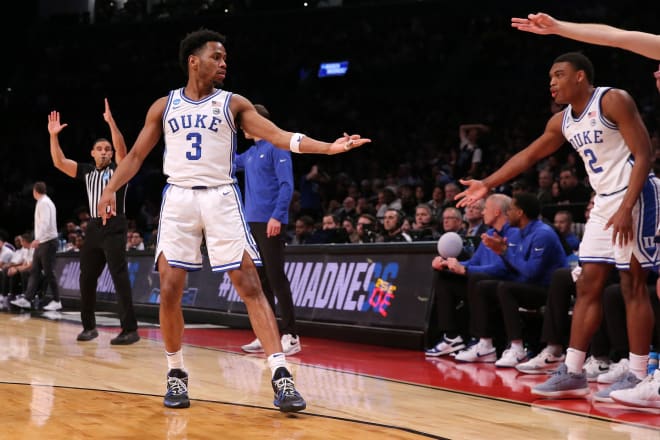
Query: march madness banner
371, 285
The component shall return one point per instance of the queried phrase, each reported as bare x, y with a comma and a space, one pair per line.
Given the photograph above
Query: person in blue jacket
452, 278
532, 262
268, 191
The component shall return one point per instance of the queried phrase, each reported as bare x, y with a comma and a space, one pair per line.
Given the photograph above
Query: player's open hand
475, 191
622, 230
542, 24
54, 125
347, 143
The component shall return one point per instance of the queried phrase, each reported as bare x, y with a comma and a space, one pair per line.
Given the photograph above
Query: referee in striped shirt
103, 244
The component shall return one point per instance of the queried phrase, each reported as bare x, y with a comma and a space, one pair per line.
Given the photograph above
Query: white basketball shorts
597, 246
188, 215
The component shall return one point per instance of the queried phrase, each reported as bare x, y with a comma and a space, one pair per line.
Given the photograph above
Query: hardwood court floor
56, 388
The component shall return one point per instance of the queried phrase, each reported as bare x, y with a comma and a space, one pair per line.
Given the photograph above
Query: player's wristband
294, 143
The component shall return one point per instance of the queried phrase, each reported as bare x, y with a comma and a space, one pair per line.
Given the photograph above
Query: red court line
413, 367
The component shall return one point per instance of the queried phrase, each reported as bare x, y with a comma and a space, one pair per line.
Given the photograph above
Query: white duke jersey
200, 140
607, 159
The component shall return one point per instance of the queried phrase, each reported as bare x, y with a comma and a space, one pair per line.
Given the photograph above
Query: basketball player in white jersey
201, 199
645, 393
605, 128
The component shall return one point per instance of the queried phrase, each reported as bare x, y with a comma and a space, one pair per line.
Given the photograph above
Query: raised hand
107, 115
54, 125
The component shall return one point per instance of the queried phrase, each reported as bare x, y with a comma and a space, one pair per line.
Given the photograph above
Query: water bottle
653, 362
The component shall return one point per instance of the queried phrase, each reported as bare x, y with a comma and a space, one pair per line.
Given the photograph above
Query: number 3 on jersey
196, 144
592, 160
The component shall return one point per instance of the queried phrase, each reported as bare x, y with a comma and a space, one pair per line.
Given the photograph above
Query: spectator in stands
452, 221
539, 254
571, 190
331, 232
470, 153
367, 227
424, 227
474, 216
451, 190
310, 191
18, 271
304, 230
349, 225
437, 201
544, 190
135, 242
452, 278
347, 209
392, 223
564, 225
387, 199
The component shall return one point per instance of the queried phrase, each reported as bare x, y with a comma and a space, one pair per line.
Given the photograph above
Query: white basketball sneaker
253, 347
290, 344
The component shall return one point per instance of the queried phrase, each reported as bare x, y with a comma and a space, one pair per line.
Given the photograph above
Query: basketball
450, 245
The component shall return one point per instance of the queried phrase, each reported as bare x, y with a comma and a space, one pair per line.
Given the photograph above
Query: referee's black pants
105, 244
273, 279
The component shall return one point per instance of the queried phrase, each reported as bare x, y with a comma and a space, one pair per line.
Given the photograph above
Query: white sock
275, 361
517, 345
638, 364
575, 360
175, 360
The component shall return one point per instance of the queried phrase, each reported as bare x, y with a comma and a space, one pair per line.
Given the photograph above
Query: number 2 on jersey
196, 144
592, 160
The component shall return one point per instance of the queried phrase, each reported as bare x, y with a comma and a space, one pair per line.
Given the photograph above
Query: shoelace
285, 386
176, 385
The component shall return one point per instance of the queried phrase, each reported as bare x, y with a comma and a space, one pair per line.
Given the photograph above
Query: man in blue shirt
452, 278
268, 192
532, 261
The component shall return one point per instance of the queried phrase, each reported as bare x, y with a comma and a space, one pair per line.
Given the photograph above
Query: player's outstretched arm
641, 43
258, 126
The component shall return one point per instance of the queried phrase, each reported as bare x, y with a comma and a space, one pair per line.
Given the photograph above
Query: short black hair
193, 42
529, 204
40, 187
580, 62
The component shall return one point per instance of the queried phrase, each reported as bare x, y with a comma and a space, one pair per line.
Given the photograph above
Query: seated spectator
347, 209
367, 227
452, 277
451, 190
437, 200
544, 190
392, 223
14, 277
533, 262
474, 217
349, 225
304, 230
424, 228
564, 223
331, 232
387, 199
135, 242
452, 221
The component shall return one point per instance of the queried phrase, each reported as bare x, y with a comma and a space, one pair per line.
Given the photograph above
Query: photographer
367, 229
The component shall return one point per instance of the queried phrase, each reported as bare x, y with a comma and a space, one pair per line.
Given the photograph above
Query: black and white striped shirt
95, 181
